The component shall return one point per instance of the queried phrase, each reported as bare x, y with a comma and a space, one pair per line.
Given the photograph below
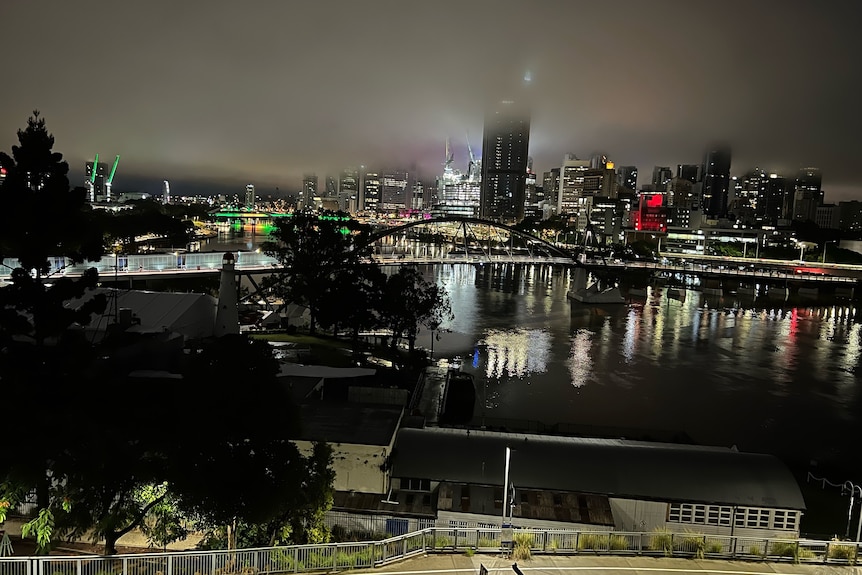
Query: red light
654, 201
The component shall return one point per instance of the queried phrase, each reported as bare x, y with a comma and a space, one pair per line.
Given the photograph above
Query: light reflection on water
766, 377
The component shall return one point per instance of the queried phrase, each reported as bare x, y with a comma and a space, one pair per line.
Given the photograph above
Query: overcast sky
225, 93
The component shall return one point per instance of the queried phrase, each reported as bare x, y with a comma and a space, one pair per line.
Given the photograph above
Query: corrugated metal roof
616, 467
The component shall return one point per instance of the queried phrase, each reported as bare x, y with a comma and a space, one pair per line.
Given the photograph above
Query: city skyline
215, 96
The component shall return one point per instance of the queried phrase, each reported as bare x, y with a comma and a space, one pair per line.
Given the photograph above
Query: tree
314, 249
409, 300
41, 353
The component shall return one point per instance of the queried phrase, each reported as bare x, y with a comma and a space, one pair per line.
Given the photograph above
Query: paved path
440, 564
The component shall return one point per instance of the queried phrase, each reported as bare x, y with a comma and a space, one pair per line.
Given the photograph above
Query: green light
95, 167
114, 169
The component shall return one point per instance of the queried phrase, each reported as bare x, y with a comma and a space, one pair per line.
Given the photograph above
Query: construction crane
110, 177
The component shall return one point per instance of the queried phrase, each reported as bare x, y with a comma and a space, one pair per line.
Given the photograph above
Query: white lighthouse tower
227, 315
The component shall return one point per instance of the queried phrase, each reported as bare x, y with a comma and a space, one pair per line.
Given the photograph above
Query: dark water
773, 378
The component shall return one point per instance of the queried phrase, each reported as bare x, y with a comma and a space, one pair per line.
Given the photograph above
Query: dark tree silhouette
314, 250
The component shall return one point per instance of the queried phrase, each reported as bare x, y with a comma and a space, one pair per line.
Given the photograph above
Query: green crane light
113, 169
93, 171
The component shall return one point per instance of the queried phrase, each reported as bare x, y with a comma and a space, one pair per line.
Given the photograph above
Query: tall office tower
598, 161
571, 190
850, 216
551, 183
331, 191
417, 196
348, 190
772, 206
661, 175
249, 197
627, 178
690, 172
680, 193
716, 181
308, 192
393, 190
96, 176
166, 192
370, 191
752, 188
807, 195
531, 199
505, 145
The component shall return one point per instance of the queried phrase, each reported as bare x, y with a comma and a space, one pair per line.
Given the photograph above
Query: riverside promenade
461, 564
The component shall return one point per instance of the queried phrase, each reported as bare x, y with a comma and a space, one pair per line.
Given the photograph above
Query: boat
595, 294
459, 398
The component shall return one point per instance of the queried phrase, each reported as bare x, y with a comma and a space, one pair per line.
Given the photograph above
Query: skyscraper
505, 145
166, 192
690, 172
716, 181
627, 177
807, 195
249, 197
309, 191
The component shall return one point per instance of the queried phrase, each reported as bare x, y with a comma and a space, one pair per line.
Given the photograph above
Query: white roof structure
189, 314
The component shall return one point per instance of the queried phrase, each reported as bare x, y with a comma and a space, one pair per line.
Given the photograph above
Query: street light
853, 489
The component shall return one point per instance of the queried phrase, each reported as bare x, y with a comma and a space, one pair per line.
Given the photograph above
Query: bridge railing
368, 554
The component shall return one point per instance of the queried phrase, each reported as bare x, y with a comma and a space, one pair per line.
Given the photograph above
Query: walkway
441, 564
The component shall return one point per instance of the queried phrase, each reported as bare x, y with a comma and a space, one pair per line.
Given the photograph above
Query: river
765, 377
769, 377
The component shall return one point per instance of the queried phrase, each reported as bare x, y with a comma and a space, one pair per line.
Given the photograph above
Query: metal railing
369, 554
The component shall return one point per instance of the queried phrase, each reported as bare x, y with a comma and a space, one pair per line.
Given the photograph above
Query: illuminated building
348, 191
98, 180
308, 192
458, 194
370, 191
551, 183
166, 192
807, 195
651, 215
571, 188
716, 181
627, 177
249, 197
505, 145
393, 191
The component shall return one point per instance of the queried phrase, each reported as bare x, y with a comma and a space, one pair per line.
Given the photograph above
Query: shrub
469, 551
553, 544
521, 552
485, 542
714, 547
790, 549
846, 552
693, 543
590, 541
661, 540
618, 543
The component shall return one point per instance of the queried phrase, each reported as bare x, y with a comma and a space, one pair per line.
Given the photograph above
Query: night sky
213, 95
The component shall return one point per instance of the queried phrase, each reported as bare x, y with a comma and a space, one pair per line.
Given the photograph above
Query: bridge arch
465, 231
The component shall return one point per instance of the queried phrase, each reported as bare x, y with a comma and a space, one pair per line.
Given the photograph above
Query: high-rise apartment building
348, 190
166, 192
393, 190
716, 181
551, 184
249, 197
627, 177
571, 191
505, 145
807, 195
661, 177
308, 192
370, 191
